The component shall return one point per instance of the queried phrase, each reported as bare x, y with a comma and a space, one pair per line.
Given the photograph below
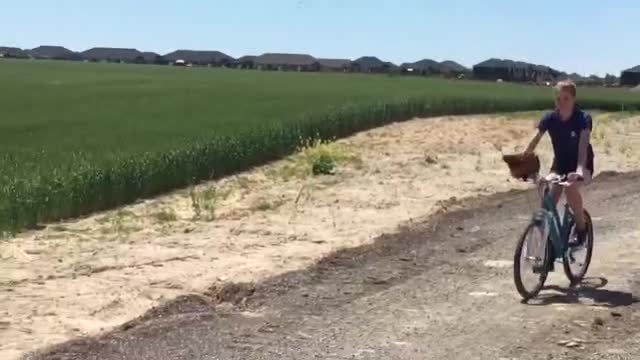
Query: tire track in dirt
440, 289
88, 270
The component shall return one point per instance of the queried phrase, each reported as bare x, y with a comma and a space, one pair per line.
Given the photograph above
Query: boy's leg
574, 199
556, 191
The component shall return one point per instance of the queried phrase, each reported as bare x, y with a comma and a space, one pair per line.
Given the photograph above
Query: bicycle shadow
591, 289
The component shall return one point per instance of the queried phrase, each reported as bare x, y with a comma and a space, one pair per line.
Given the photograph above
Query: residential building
200, 57
292, 62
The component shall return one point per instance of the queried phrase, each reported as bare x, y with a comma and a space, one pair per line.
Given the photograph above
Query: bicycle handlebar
562, 180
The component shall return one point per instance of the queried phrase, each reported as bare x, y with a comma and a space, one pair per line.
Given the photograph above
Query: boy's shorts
588, 172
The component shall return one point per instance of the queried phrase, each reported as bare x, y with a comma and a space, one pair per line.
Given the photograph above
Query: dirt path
87, 276
440, 289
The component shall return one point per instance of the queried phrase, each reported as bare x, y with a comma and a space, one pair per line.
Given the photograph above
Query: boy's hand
575, 176
551, 177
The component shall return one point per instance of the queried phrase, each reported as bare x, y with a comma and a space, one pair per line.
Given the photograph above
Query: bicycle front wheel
576, 260
530, 265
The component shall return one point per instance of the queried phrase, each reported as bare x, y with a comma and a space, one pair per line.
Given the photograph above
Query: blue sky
587, 36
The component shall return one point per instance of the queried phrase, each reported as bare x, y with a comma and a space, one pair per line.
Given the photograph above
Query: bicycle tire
517, 276
577, 278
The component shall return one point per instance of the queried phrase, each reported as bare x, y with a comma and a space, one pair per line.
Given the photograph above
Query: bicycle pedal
539, 269
538, 219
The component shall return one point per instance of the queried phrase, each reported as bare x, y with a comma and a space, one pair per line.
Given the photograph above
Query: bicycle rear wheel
530, 264
576, 261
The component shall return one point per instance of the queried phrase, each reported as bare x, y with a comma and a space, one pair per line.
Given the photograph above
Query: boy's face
565, 102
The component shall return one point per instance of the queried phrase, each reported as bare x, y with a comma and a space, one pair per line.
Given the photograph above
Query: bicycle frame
556, 230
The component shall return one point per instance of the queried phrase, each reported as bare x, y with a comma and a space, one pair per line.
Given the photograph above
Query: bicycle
552, 234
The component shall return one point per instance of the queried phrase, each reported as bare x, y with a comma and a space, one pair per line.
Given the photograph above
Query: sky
584, 36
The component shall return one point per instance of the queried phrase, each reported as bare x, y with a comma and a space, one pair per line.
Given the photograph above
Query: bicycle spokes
529, 261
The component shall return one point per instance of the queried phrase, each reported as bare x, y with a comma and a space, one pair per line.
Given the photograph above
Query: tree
610, 80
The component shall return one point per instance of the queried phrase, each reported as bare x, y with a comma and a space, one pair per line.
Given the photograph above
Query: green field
81, 137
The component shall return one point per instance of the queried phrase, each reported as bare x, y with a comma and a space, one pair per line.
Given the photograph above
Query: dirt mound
185, 304
195, 304
231, 293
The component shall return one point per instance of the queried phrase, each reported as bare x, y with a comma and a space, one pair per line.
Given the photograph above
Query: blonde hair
568, 86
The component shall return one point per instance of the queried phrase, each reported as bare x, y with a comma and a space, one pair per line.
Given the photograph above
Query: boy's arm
542, 127
534, 142
583, 146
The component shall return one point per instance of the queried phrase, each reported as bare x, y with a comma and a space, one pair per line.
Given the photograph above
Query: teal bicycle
546, 240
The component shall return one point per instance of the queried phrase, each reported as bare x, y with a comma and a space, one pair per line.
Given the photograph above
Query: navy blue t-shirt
565, 137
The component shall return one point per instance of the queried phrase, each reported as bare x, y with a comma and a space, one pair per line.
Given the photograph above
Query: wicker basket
523, 166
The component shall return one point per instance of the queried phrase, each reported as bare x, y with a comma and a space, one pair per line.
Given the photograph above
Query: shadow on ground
591, 291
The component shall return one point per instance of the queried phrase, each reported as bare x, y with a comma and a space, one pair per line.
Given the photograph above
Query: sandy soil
86, 276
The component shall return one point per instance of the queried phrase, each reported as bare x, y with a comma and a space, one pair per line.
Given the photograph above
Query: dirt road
438, 289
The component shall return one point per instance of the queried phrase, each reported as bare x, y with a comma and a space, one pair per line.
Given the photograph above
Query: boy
570, 130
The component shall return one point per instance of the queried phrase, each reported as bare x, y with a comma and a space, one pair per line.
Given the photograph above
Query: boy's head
565, 92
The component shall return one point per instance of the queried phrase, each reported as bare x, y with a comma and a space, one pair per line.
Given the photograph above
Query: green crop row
86, 187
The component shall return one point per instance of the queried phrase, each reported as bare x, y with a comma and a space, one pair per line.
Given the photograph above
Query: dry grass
204, 202
121, 223
430, 159
165, 215
313, 152
478, 167
264, 204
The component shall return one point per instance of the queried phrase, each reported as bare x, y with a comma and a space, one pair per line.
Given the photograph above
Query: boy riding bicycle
570, 130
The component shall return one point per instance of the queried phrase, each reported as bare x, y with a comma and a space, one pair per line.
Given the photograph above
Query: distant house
293, 62
509, 70
200, 57
340, 65
561, 75
422, 67
245, 62
591, 80
630, 77
371, 64
153, 58
494, 69
391, 67
113, 55
574, 77
452, 68
12, 52
54, 53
